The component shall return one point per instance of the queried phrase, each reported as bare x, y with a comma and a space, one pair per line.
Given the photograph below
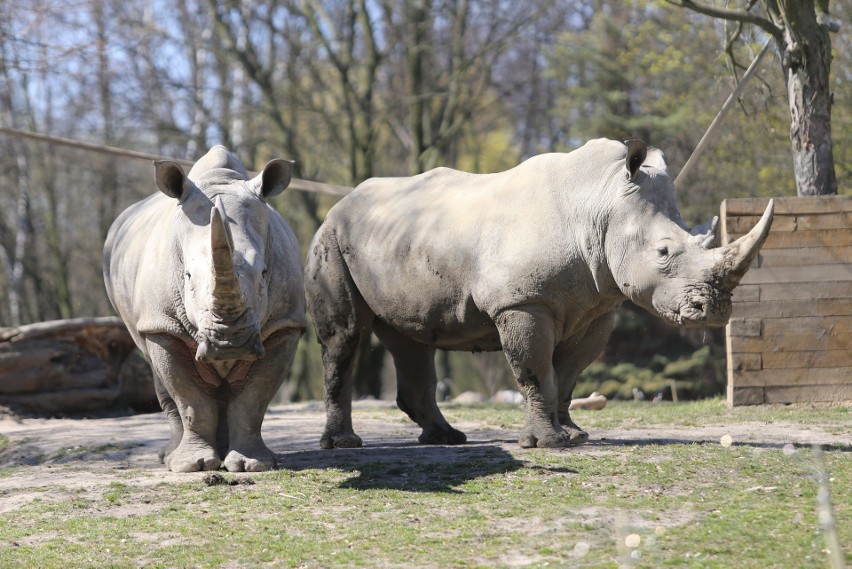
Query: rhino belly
433, 316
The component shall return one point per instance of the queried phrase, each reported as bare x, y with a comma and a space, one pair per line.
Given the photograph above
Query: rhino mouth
702, 306
219, 340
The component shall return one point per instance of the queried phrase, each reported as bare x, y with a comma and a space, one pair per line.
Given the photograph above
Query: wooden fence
790, 335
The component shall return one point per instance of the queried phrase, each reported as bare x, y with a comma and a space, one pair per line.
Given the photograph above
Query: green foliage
698, 374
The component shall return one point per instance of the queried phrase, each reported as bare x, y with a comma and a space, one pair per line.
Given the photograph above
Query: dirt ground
58, 455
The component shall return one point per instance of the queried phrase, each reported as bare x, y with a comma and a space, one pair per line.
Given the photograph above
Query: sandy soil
61, 455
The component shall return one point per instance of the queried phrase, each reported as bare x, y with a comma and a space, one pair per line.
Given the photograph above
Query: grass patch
649, 505
692, 414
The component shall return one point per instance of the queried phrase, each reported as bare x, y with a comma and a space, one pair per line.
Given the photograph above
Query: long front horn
738, 256
227, 296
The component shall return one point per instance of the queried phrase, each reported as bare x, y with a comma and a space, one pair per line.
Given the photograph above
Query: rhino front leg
246, 451
527, 337
169, 407
416, 383
173, 363
569, 361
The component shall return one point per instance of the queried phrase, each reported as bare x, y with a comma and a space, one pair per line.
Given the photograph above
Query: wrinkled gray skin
532, 261
207, 278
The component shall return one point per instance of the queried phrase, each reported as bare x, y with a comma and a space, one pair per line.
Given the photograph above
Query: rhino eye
663, 251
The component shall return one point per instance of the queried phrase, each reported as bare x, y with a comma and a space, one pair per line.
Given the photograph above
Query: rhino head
659, 263
221, 250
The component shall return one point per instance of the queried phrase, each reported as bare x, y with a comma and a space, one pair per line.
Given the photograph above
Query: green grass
691, 505
692, 414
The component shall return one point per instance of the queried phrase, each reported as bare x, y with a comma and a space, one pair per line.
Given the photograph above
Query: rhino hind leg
341, 317
338, 361
338, 365
526, 334
417, 382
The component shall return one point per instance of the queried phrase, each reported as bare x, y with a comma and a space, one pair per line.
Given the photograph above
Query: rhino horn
737, 257
227, 296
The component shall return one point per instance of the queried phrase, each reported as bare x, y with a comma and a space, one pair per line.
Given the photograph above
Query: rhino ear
636, 152
171, 179
274, 179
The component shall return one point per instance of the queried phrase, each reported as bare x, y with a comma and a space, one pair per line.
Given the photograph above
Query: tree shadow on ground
407, 466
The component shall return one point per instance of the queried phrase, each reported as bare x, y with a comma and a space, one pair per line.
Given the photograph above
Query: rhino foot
578, 436
443, 436
166, 453
549, 440
345, 440
256, 459
186, 458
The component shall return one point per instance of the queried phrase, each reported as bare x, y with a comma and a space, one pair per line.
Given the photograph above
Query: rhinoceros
532, 261
207, 277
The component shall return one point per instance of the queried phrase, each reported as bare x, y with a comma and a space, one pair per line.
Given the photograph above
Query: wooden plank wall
790, 335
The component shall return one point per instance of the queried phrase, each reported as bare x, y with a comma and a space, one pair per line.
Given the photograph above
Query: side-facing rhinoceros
207, 277
533, 261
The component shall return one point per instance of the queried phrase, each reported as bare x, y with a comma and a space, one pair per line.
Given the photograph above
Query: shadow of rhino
407, 466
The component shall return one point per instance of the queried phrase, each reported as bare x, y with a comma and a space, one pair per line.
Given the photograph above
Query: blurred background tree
358, 88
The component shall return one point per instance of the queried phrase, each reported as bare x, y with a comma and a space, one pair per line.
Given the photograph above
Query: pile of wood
73, 366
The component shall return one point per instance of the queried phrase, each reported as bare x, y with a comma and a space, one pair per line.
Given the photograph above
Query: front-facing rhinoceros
533, 261
207, 277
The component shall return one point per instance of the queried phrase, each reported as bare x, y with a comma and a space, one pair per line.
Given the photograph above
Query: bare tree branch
744, 16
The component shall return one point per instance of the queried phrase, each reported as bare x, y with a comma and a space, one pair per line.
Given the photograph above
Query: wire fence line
295, 183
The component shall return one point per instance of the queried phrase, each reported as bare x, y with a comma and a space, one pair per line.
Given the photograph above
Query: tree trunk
806, 62
16, 285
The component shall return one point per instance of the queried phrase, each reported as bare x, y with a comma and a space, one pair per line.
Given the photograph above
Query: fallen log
79, 365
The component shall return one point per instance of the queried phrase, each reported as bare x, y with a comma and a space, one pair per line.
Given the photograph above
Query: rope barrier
295, 183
